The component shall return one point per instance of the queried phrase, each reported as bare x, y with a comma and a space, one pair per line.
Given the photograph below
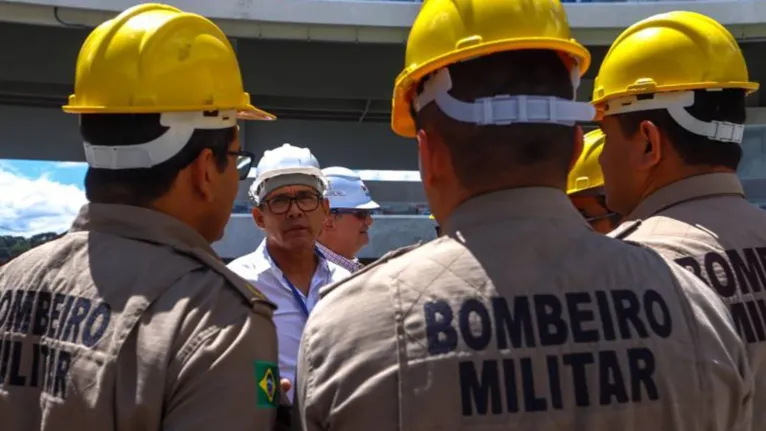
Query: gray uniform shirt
131, 323
522, 317
706, 225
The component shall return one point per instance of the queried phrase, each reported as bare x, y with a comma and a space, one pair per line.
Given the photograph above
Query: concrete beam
371, 21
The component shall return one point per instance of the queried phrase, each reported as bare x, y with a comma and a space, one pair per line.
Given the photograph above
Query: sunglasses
601, 200
613, 216
244, 162
360, 214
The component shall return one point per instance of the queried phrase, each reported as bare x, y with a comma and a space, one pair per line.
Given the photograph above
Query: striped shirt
352, 265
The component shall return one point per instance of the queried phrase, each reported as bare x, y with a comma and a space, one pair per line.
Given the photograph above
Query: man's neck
180, 212
297, 265
452, 198
678, 173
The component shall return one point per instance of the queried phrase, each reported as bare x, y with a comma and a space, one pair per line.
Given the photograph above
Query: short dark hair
696, 150
141, 187
485, 155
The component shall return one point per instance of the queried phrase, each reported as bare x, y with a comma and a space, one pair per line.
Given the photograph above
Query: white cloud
8, 167
29, 206
66, 165
378, 175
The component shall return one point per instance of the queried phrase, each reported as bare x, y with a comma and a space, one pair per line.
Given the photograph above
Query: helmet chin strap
181, 127
676, 103
503, 110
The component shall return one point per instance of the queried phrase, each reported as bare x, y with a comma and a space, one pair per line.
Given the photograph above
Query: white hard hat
286, 166
347, 190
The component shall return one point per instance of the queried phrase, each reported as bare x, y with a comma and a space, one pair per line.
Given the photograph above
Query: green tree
20, 247
12, 246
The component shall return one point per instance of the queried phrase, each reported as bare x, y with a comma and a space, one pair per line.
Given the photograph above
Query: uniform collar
139, 223
696, 187
524, 203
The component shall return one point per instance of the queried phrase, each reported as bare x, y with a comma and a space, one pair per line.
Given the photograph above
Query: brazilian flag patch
267, 379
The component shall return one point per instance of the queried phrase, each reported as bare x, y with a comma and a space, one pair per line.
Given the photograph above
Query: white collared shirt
259, 269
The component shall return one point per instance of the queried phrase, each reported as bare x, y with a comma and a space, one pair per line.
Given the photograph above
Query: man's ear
653, 149
428, 156
329, 223
579, 144
258, 217
203, 172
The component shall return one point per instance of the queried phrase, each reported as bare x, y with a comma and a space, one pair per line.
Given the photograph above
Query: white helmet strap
502, 109
181, 127
676, 103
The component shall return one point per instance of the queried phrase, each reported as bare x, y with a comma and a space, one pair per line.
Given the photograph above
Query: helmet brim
253, 113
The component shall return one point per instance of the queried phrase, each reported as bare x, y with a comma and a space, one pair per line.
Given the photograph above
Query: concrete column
242, 124
756, 116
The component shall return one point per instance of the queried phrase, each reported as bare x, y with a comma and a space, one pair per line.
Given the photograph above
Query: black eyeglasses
244, 162
611, 215
306, 202
360, 214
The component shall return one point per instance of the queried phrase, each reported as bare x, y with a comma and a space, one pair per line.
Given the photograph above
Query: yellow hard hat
155, 58
450, 31
586, 173
670, 52
432, 217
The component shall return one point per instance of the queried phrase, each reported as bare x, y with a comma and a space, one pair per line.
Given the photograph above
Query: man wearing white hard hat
290, 206
345, 231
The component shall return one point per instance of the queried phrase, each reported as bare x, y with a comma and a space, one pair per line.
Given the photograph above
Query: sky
44, 196
39, 196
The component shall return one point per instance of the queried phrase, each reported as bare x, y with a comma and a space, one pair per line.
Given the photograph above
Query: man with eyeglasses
130, 320
520, 316
673, 148
290, 206
345, 231
585, 186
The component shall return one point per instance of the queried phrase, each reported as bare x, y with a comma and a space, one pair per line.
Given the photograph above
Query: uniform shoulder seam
249, 293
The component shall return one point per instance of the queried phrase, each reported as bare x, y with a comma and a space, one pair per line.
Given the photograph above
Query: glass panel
752, 168
753, 164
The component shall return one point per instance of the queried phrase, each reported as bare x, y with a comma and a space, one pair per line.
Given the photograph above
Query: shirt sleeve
307, 414
728, 369
225, 376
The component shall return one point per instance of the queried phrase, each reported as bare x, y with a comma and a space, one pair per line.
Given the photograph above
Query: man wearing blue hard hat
345, 231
